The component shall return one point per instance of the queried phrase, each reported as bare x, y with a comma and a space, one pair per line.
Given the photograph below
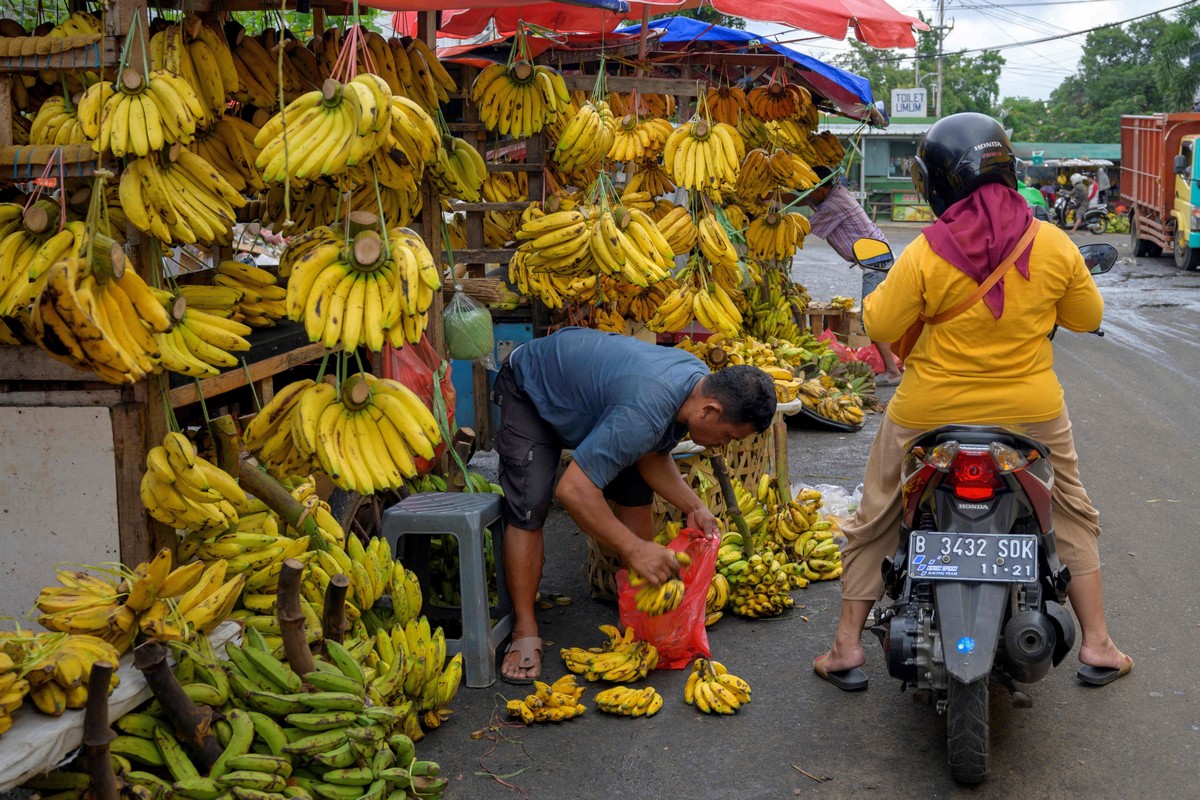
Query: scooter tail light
1006, 458
974, 476
942, 456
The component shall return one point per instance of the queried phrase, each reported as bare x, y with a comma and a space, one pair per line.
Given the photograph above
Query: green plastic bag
469, 334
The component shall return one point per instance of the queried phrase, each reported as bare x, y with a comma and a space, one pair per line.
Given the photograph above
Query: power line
1029, 41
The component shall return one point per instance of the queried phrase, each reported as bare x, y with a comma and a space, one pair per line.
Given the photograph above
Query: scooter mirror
873, 254
1099, 258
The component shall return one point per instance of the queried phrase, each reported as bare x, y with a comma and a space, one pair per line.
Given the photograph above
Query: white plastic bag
835, 500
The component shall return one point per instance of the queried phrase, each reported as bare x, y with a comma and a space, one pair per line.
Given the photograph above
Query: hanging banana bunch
519, 98
702, 155
179, 197
727, 104
587, 137
201, 58
138, 115
778, 100
652, 179
57, 122
776, 236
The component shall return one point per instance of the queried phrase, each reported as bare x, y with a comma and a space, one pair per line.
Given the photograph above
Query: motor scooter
1095, 218
977, 591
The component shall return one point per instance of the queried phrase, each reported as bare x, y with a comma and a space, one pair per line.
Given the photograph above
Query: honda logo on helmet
987, 144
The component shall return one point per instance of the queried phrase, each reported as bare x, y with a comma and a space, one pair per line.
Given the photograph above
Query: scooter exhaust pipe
1029, 640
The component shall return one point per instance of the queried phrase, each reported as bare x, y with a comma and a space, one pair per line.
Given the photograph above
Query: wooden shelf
98, 53
23, 163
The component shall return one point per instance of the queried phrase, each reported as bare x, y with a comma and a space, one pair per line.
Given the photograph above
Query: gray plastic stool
465, 517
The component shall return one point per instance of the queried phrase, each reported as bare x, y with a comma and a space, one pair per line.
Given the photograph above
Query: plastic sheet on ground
37, 743
789, 408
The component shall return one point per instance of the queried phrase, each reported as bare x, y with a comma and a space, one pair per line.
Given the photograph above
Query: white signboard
909, 103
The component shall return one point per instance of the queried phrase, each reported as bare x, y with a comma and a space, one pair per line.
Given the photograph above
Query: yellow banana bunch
557, 242
179, 198
227, 147
715, 309
631, 140
841, 407
625, 701
653, 179
776, 236
549, 702
844, 303
55, 668
760, 588
256, 70
57, 122
201, 58
719, 253
105, 323
712, 689
679, 229
30, 244
13, 689
554, 289
717, 598
778, 100
260, 302
727, 104
366, 436
327, 130
587, 137
620, 660
625, 242
519, 99
771, 312
655, 600
676, 311
700, 155
828, 149
661, 106
137, 115
184, 490
200, 343
459, 170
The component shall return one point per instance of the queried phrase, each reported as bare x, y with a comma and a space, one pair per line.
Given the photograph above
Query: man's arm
660, 472
585, 502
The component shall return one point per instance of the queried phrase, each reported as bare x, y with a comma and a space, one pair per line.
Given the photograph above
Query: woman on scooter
991, 365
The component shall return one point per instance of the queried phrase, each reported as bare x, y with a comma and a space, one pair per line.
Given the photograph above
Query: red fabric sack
415, 366
679, 635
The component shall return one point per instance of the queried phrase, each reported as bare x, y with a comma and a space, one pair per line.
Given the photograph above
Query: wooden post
97, 734
431, 211
333, 615
192, 723
782, 479
291, 618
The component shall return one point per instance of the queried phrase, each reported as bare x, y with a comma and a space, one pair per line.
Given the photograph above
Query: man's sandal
530, 650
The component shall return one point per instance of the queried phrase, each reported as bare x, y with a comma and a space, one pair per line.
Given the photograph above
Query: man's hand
703, 520
653, 562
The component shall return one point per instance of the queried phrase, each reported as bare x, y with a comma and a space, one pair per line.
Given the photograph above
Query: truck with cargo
1160, 181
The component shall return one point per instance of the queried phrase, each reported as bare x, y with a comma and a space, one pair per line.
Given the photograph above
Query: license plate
937, 555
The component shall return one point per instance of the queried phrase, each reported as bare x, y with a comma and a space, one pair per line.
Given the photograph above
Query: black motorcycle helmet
960, 153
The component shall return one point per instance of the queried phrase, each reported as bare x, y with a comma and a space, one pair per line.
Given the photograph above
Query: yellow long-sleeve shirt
975, 369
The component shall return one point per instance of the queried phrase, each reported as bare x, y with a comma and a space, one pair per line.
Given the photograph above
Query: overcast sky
1031, 70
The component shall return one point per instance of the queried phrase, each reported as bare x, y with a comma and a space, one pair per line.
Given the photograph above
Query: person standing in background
1104, 183
840, 220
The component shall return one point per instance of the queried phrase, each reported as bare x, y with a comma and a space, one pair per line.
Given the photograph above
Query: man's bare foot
523, 660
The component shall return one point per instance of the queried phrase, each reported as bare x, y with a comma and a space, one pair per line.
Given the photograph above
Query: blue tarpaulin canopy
849, 92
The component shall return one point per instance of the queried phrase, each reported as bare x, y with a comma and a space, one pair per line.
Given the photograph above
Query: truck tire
1142, 248
1186, 258
967, 730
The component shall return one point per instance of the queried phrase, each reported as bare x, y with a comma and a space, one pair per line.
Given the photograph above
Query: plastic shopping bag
469, 334
679, 635
415, 366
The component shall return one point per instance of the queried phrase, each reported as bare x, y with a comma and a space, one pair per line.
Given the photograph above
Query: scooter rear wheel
1098, 224
967, 730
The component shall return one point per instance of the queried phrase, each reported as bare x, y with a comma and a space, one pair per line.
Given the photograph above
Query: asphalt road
1132, 396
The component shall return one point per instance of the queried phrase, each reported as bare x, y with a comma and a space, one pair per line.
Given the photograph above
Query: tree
969, 83
1024, 116
1175, 65
1111, 80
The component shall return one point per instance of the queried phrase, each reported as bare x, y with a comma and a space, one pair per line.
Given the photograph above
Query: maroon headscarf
977, 232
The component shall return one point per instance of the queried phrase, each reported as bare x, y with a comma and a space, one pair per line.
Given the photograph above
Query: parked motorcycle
977, 589
1095, 219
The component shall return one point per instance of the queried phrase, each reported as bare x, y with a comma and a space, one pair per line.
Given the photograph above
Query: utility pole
941, 29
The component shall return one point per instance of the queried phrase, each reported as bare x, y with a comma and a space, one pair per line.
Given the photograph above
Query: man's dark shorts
530, 451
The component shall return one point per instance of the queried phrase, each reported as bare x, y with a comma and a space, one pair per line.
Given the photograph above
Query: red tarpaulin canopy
874, 21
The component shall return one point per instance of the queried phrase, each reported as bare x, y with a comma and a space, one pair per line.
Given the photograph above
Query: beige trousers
873, 532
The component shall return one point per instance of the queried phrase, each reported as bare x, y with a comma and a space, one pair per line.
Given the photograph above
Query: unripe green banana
336, 758
250, 779
276, 671
330, 682
239, 742
322, 720
261, 762
178, 763
139, 725
143, 751
318, 742
269, 732
332, 701
198, 788
350, 776
344, 660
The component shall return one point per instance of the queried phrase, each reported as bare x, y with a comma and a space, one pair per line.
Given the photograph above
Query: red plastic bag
870, 356
679, 635
845, 354
414, 365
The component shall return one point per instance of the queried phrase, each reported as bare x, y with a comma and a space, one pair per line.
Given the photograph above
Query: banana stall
176, 412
